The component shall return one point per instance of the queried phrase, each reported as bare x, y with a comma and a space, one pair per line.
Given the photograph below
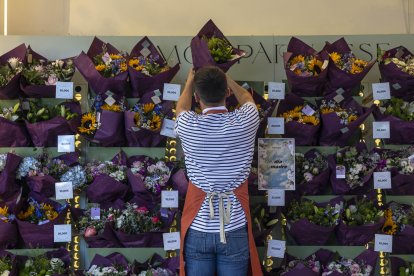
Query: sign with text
276, 125
382, 180
64, 190
383, 243
276, 248
167, 128
62, 233
381, 130
171, 92
276, 90
169, 199
381, 91
276, 198
64, 90
171, 241
66, 143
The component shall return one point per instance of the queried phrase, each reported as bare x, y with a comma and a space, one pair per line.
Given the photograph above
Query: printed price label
340, 172
339, 98
167, 128
381, 91
64, 190
276, 90
169, 199
171, 241
171, 92
307, 110
382, 180
96, 213
276, 198
110, 100
276, 248
64, 90
381, 130
66, 143
383, 243
155, 99
276, 125
62, 233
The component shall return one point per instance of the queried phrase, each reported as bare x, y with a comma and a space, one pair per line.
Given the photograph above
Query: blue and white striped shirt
218, 152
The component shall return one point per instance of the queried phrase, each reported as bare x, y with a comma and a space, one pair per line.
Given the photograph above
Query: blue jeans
205, 255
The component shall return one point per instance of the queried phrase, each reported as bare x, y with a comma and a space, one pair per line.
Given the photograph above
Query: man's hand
185, 101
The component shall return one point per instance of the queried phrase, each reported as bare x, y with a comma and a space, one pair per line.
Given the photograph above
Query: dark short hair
210, 84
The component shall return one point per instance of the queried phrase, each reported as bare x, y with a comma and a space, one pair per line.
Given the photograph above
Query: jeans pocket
238, 246
195, 244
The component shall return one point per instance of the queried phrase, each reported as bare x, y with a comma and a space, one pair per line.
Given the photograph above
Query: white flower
352, 208
13, 62
404, 163
308, 176
5, 273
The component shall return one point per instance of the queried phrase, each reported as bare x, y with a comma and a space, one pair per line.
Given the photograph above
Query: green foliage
220, 49
38, 112
306, 209
399, 108
41, 265
363, 212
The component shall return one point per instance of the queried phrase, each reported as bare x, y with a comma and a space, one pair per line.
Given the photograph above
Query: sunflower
326, 110
292, 114
389, 227
310, 120
114, 107
123, 67
115, 56
88, 123
137, 119
358, 66
4, 212
165, 69
298, 108
135, 63
100, 67
155, 122
352, 118
148, 107
315, 66
388, 214
297, 59
23, 215
51, 214
335, 57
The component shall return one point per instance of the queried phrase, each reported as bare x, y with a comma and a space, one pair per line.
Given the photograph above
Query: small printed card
383, 243
64, 190
64, 90
110, 100
276, 125
155, 99
276, 197
339, 98
96, 213
307, 110
167, 128
381, 130
340, 172
66, 143
382, 180
145, 52
276, 248
169, 199
62, 233
276, 90
381, 91
171, 92
171, 241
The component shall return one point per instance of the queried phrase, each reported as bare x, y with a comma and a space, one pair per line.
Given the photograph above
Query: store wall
185, 17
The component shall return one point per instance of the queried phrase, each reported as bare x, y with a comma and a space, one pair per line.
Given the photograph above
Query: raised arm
242, 95
186, 99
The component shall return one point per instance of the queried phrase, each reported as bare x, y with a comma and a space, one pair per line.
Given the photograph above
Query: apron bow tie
224, 213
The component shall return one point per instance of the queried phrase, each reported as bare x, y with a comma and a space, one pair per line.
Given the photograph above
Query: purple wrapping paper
14, 271
302, 270
44, 134
199, 49
357, 235
401, 132
403, 243
105, 189
179, 182
114, 259
44, 185
70, 159
305, 135
99, 84
146, 199
38, 91
368, 257
13, 134
111, 132
8, 183
12, 89
120, 158
394, 75
396, 263
141, 83
338, 78
402, 184
307, 233
305, 86
8, 234
335, 134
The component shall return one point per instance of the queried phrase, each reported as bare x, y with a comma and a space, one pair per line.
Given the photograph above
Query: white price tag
276, 125
171, 92
383, 243
155, 99
276, 90
381, 130
308, 111
62, 233
66, 143
167, 128
382, 180
339, 98
64, 90
276, 198
171, 241
64, 190
145, 52
340, 171
110, 100
96, 213
169, 199
276, 248
381, 91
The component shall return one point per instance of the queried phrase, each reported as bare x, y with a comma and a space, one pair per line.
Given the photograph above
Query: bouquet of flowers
301, 120
340, 120
400, 114
396, 66
143, 124
310, 223
157, 266
399, 222
36, 219
211, 47
51, 263
106, 271
360, 221
11, 66
104, 67
348, 267
39, 76
44, 124
8, 264
345, 70
13, 132
148, 70
312, 173
114, 264
9, 164
104, 125
107, 182
305, 68
400, 267
308, 266
263, 223
8, 229
359, 166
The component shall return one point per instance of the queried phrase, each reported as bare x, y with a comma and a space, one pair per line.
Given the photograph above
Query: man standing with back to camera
216, 235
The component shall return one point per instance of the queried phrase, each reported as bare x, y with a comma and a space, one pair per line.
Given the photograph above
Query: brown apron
193, 201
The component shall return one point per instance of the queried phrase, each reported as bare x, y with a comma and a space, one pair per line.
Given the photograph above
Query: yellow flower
4, 211
88, 123
100, 67
137, 119
315, 66
335, 57
388, 214
114, 107
298, 108
115, 56
23, 215
156, 122
165, 68
124, 67
352, 118
310, 120
326, 110
358, 66
51, 214
389, 227
297, 59
148, 107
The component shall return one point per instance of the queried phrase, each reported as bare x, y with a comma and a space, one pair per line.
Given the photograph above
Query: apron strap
224, 213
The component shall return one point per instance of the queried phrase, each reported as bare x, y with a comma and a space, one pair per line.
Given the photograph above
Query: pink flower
111, 217
355, 268
90, 232
142, 210
51, 80
315, 269
155, 220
